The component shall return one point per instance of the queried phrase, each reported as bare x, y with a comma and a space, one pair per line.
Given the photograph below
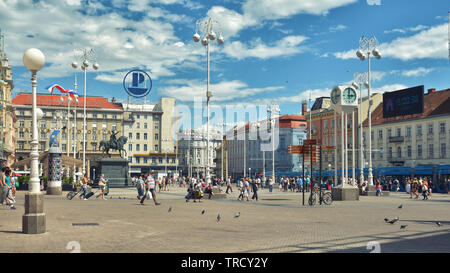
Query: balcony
398, 161
396, 139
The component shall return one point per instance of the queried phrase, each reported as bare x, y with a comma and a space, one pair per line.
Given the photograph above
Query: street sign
138, 84
310, 142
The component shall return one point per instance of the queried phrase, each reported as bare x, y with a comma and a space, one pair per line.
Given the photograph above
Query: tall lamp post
33, 221
223, 124
208, 27
359, 80
368, 46
85, 56
273, 111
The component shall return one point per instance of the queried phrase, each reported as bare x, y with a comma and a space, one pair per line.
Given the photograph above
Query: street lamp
368, 46
223, 124
85, 56
33, 221
208, 27
359, 80
273, 111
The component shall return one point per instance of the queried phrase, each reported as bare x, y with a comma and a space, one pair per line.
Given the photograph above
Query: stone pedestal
54, 190
116, 171
33, 221
345, 193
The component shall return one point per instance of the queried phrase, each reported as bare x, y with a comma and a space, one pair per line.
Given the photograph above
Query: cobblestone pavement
276, 223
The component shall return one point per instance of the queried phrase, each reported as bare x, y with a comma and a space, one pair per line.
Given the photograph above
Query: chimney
304, 108
431, 90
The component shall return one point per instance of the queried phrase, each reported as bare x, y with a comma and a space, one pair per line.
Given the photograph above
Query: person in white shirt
271, 183
229, 185
150, 187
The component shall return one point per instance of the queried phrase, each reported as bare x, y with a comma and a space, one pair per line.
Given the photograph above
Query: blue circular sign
137, 83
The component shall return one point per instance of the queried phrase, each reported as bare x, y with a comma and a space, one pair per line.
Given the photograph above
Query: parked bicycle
325, 197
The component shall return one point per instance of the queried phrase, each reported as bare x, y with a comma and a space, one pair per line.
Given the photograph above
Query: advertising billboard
403, 102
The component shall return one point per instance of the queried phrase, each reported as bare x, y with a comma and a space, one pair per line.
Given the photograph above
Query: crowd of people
8, 188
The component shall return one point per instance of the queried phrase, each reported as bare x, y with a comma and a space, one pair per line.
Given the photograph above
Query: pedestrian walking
84, 186
140, 186
8, 188
271, 182
102, 185
425, 190
255, 190
150, 187
229, 185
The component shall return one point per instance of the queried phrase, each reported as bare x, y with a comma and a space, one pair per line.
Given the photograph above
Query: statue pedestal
116, 171
345, 193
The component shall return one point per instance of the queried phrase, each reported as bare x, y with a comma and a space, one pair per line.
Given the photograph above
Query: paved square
276, 223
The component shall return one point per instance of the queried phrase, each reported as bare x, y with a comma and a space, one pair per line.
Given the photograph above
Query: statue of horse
117, 145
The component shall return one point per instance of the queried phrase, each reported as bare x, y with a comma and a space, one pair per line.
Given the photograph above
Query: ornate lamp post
359, 80
85, 56
368, 46
273, 111
208, 27
33, 221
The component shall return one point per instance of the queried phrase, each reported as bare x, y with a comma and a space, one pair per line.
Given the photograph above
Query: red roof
54, 100
435, 103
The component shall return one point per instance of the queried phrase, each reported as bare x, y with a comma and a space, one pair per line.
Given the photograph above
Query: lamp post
208, 27
368, 46
223, 124
33, 221
359, 80
85, 56
273, 111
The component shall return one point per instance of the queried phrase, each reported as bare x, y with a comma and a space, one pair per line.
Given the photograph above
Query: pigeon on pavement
218, 217
403, 226
439, 224
170, 209
203, 212
401, 206
393, 220
386, 220
237, 215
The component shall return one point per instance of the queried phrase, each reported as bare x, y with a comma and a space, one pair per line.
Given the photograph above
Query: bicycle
325, 197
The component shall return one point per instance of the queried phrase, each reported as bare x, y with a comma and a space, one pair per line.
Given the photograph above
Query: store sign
403, 102
137, 83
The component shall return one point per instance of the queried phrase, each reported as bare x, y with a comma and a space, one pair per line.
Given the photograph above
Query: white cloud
287, 46
421, 71
337, 28
187, 90
430, 43
404, 30
388, 88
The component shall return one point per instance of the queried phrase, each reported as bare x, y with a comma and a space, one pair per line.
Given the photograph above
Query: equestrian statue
114, 144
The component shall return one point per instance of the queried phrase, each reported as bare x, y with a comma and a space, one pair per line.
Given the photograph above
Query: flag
73, 94
60, 88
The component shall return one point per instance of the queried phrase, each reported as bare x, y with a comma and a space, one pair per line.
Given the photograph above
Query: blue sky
274, 50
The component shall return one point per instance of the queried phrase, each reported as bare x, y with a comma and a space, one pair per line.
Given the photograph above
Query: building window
419, 150
21, 135
43, 145
380, 133
156, 148
419, 130
156, 126
138, 116
114, 127
409, 151
94, 146
443, 150
114, 116
399, 152
21, 145
138, 147
325, 124
138, 160
442, 127
105, 116
145, 136
138, 125
64, 147
43, 135
390, 152
130, 159
173, 160
408, 131
21, 123
430, 129
94, 115
399, 132
430, 150
145, 147
22, 113
138, 136
94, 126
389, 132
104, 126
130, 136
156, 137
371, 135
153, 160
145, 160
104, 136
130, 147
160, 160
43, 125
63, 136
94, 136
145, 125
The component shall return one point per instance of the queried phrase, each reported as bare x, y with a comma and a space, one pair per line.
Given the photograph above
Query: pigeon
237, 215
218, 217
203, 212
393, 221
120, 197
386, 220
403, 226
170, 209
401, 206
439, 224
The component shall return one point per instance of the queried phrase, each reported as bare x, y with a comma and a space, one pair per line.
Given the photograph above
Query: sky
274, 51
